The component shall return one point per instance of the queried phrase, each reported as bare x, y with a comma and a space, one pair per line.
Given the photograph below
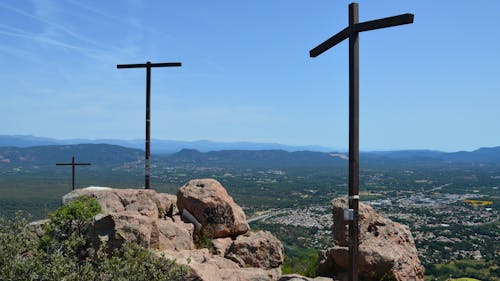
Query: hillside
97, 154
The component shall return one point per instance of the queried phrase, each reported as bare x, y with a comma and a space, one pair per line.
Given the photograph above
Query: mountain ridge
113, 155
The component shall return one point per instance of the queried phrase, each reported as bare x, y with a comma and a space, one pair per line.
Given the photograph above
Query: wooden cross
148, 65
73, 164
352, 32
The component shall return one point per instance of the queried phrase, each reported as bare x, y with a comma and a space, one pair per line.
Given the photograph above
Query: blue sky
246, 72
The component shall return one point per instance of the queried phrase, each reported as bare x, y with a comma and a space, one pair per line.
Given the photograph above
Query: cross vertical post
148, 65
147, 183
353, 140
352, 32
72, 164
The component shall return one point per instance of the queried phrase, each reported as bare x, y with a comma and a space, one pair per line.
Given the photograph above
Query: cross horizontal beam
360, 27
142, 65
72, 164
384, 23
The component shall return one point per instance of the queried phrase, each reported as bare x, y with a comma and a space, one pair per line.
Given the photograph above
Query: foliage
482, 270
56, 255
300, 260
202, 240
67, 226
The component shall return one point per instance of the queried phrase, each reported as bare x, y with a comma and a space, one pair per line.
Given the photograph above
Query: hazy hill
158, 146
97, 154
106, 154
260, 158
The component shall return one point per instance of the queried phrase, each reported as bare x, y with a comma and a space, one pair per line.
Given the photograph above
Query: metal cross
352, 32
148, 65
73, 164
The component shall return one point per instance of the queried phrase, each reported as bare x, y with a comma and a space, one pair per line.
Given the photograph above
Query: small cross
148, 65
352, 32
73, 164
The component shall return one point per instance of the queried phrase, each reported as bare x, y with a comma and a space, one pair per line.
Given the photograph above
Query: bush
58, 254
299, 260
202, 240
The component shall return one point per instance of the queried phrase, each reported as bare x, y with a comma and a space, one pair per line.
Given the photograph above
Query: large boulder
207, 200
206, 267
296, 277
160, 234
142, 216
150, 219
256, 249
386, 248
145, 202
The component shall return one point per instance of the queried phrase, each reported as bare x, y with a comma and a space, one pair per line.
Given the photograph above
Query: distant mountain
49, 155
158, 146
484, 154
255, 158
25, 141
113, 155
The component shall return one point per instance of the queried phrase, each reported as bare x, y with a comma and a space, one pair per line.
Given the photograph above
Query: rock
145, 202
296, 277
117, 228
221, 245
256, 249
207, 200
174, 236
151, 220
386, 247
205, 267
250, 274
36, 227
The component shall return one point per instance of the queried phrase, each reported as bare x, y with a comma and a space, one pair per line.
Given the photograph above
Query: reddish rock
207, 200
296, 277
150, 219
386, 247
117, 228
221, 245
174, 236
256, 249
205, 267
145, 202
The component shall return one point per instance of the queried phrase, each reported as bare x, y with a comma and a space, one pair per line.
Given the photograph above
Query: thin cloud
85, 51
59, 27
94, 10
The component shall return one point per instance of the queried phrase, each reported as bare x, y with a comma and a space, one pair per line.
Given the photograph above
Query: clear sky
246, 73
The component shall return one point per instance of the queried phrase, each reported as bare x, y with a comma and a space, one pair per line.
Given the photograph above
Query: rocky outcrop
207, 200
154, 221
296, 277
145, 202
206, 267
386, 248
256, 249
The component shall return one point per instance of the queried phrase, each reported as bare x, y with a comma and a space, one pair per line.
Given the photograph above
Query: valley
451, 208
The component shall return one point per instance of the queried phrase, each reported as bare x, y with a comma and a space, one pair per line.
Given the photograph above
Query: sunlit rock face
207, 200
155, 220
386, 248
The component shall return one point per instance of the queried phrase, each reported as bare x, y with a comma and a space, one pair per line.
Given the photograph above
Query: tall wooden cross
148, 65
352, 32
73, 164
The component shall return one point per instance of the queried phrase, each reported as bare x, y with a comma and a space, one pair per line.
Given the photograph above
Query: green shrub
57, 255
202, 240
300, 260
65, 231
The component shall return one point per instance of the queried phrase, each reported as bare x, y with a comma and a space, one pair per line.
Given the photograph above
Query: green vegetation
62, 253
482, 270
300, 260
202, 240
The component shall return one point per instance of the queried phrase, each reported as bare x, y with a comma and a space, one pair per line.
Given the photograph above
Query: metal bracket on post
348, 214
